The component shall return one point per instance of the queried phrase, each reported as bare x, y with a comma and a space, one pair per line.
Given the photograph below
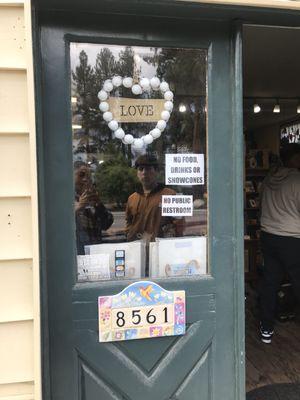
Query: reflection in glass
119, 186
91, 215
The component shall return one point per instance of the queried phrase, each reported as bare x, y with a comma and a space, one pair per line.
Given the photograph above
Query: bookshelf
256, 168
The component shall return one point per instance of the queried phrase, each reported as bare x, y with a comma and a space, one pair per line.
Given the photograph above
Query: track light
276, 108
256, 108
182, 108
272, 104
76, 126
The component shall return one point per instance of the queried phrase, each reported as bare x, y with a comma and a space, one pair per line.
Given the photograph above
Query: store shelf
256, 172
253, 178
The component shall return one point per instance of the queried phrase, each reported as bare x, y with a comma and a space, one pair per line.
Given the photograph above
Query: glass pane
139, 152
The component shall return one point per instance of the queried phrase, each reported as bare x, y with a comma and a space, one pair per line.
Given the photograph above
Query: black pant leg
273, 273
290, 258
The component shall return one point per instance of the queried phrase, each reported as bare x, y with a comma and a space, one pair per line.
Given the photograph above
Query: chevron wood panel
183, 360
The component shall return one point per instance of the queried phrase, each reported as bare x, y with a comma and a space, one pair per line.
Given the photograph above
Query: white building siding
20, 366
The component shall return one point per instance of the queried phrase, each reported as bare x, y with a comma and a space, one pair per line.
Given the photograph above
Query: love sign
113, 116
140, 110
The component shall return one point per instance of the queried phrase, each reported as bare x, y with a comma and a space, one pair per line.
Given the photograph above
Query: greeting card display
126, 260
178, 257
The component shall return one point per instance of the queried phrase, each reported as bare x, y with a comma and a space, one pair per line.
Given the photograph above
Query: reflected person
143, 211
90, 214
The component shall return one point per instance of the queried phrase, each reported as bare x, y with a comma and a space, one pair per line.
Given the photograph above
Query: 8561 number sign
143, 316
142, 310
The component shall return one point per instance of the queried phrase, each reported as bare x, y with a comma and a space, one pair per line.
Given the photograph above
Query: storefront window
139, 152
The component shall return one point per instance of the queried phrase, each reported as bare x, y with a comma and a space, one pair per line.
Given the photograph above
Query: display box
134, 258
178, 257
93, 267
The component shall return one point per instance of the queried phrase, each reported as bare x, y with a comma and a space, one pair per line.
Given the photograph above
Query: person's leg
290, 258
273, 274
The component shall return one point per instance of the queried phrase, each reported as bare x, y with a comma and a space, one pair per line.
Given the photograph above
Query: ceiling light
276, 108
298, 109
182, 108
74, 126
256, 108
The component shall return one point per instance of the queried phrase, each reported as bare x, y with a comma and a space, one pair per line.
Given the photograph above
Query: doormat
281, 391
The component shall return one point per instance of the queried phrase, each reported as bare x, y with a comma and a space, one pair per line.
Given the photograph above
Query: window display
179, 256
139, 153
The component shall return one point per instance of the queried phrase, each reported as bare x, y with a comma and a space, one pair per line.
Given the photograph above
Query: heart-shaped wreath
144, 85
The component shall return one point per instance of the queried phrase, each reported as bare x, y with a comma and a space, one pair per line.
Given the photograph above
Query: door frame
227, 13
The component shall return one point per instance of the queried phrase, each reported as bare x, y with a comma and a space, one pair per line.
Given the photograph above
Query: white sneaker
266, 334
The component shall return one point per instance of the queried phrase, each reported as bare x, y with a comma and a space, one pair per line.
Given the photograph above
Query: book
249, 187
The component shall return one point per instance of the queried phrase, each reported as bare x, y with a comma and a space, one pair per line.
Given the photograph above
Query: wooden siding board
16, 228
9, 391
21, 397
13, 101
16, 348
14, 165
12, 37
16, 297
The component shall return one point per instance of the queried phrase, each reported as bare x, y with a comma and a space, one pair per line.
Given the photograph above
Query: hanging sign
177, 206
290, 133
140, 109
132, 110
185, 169
142, 310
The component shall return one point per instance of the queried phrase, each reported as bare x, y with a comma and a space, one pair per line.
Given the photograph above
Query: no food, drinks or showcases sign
142, 310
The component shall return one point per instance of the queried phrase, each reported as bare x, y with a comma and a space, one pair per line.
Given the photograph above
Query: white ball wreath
144, 85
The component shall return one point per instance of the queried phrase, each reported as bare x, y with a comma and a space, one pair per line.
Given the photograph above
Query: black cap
146, 159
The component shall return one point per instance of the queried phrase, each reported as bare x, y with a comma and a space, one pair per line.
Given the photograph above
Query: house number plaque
142, 310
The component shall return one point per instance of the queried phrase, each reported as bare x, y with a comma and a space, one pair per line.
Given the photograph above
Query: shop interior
271, 65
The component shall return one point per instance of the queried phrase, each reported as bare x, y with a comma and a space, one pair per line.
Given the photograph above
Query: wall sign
177, 206
185, 169
142, 310
290, 133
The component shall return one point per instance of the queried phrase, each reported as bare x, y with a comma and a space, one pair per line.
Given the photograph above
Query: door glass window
139, 157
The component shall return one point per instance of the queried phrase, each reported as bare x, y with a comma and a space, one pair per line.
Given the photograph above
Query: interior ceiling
271, 69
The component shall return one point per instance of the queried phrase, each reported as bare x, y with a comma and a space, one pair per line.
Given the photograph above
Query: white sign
185, 169
177, 206
93, 267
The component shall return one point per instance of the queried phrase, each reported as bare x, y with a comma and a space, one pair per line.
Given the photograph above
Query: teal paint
215, 304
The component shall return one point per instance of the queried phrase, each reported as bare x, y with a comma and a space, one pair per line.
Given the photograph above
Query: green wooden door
207, 362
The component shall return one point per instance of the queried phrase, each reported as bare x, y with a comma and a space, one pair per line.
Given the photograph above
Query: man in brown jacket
143, 211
